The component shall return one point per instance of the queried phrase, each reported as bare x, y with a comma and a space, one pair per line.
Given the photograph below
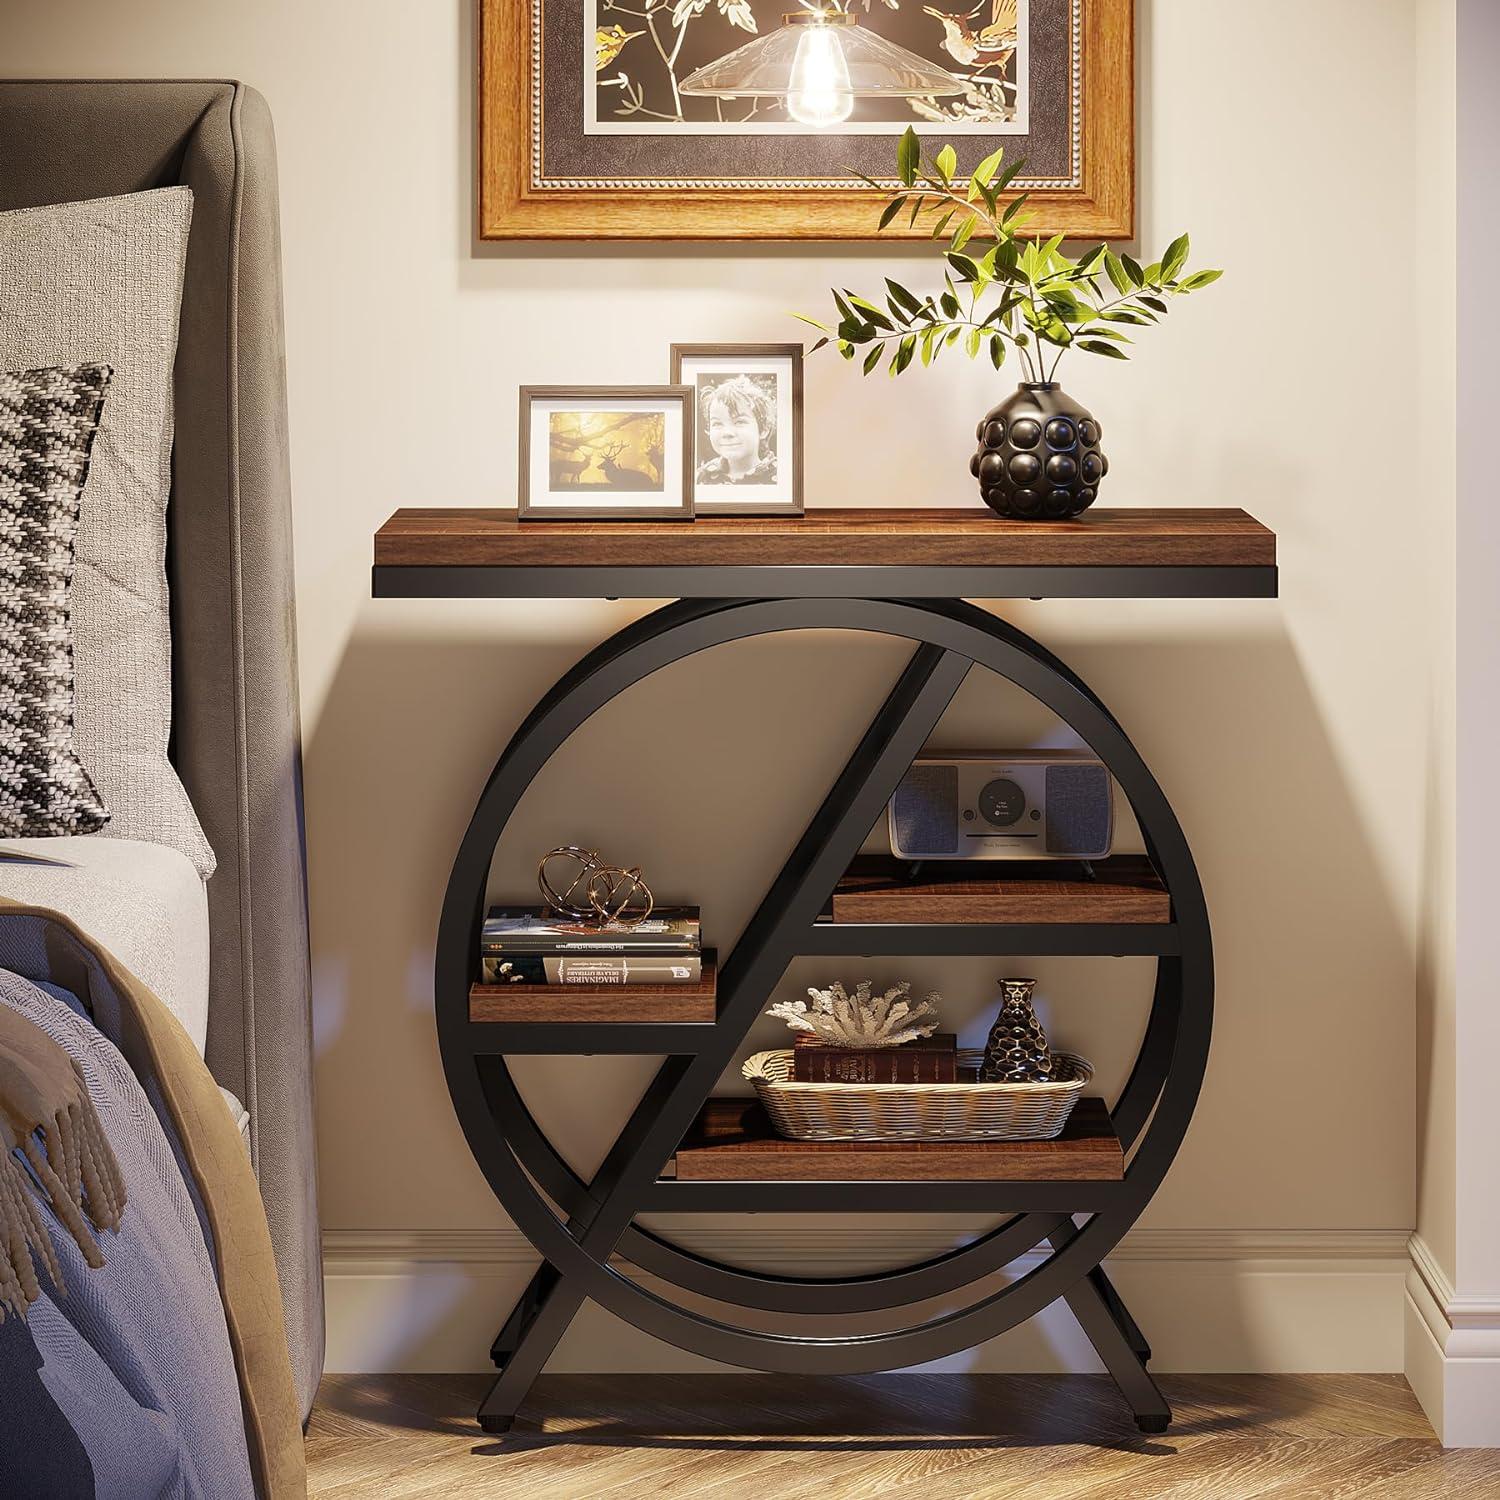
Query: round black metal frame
525, 1171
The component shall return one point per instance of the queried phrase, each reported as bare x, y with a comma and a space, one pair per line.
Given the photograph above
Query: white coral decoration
857, 1020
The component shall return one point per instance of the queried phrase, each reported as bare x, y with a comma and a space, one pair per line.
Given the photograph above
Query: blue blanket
123, 1387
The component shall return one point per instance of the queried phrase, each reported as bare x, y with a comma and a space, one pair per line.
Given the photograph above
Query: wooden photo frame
747, 426
580, 139
606, 453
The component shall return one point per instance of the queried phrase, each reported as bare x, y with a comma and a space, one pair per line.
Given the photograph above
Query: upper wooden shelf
956, 553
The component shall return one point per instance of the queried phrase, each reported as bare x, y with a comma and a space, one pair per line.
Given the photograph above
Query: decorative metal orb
1039, 455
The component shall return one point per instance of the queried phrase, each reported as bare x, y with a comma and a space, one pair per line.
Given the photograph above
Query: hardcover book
669, 929
932, 1059
590, 968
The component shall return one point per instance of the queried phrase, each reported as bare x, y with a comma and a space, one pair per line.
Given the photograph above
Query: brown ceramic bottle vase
1017, 1050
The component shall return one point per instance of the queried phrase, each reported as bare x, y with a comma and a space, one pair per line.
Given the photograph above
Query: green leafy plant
1002, 290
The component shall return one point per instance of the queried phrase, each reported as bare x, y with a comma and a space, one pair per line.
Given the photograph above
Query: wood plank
733, 1141
956, 537
878, 888
906, 1437
624, 1003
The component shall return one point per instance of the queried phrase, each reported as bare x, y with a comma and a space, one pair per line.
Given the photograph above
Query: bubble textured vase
1039, 457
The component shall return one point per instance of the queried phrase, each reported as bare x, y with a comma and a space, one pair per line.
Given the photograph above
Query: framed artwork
747, 426
584, 133
606, 452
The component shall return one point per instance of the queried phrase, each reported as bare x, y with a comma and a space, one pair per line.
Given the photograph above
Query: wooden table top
970, 537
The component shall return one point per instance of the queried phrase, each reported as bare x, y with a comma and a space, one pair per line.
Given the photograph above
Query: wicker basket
917, 1111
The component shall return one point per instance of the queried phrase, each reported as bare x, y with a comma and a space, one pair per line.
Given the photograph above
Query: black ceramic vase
1039, 457
1017, 1049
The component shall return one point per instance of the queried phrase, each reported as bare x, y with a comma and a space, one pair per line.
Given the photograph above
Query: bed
231, 954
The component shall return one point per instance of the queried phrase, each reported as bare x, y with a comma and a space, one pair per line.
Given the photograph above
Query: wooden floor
917, 1437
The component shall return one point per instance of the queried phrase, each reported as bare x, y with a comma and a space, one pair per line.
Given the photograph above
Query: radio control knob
1002, 802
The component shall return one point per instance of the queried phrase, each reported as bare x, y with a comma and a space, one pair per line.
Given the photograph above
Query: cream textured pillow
101, 282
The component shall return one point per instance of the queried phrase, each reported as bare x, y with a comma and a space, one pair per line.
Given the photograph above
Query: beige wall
1291, 735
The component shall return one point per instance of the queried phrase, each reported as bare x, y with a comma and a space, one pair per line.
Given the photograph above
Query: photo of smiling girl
748, 429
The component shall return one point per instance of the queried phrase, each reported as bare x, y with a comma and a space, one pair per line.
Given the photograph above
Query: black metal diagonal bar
759, 959
1110, 1333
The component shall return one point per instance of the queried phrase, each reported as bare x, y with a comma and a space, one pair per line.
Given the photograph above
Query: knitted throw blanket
42, 1094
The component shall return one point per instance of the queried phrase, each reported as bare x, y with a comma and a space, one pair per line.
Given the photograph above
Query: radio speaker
924, 811
1017, 804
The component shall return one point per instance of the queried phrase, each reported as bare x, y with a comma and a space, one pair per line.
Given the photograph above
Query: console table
906, 573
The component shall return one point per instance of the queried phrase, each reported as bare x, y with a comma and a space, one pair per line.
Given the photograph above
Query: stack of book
929, 1059
529, 945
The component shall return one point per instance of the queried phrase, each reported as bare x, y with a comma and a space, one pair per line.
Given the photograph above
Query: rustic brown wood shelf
877, 888
917, 552
733, 1140
619, 1004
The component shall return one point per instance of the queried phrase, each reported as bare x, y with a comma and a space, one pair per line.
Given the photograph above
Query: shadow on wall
705, 775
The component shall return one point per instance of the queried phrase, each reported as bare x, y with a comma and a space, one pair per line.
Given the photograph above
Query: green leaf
954, 334
950, 305
1116, 273
1155, 304
1126, 315
1200, 279
941, 227
902, 357
916, 208
965, 267
972, 342
1152, 273
984, 172
871, 312
902, 297
1090, 262
929, 337
873, 358
908, 154
997, 350
803, 318
817, 346
1013, 208
946, 163
1098, 346
1133, 270
892, 209
1009, 175
963, 232
1175, 258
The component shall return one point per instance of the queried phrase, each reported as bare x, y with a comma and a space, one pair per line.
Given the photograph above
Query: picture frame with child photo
747, 426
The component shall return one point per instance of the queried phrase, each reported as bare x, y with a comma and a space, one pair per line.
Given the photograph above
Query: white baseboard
1452, 1353
1209, 1300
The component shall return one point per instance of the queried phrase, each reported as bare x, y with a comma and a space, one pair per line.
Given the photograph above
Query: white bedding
144, 902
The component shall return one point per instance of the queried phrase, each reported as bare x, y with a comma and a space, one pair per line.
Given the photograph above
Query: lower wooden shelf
732, 1141
618, 1004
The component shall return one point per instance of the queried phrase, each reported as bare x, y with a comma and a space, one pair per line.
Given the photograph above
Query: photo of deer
604, 452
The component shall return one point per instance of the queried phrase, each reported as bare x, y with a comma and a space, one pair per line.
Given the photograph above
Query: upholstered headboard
236, 732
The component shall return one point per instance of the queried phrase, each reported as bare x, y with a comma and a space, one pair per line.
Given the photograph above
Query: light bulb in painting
819, 86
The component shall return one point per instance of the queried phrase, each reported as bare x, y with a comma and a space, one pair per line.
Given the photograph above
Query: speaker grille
1079, 812
924, 811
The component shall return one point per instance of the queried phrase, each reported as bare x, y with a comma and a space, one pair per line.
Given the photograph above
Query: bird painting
608, 41
992, 46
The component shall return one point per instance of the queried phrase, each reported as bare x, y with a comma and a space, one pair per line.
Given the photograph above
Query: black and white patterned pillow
48, 419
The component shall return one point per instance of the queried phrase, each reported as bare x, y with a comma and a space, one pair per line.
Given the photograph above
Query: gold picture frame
522, 107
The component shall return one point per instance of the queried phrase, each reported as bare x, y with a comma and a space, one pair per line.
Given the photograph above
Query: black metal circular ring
1166, 1077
